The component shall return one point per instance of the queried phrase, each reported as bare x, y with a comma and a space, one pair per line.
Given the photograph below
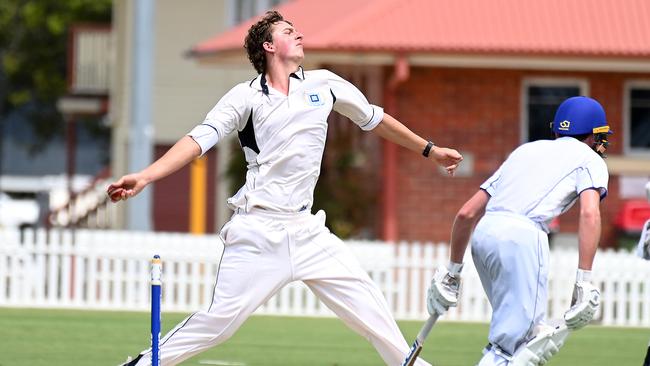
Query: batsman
509, 216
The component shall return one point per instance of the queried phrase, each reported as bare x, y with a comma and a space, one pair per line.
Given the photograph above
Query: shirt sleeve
490, 185
350, 102
226, 116
593, 175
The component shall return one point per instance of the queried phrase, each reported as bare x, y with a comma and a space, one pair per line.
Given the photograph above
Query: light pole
139, 209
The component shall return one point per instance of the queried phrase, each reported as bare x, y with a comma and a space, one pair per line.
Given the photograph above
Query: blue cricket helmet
579, 116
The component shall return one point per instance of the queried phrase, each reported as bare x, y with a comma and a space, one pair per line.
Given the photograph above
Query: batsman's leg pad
542, 347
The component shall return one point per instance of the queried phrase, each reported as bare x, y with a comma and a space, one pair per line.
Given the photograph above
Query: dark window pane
542, 103
639, 119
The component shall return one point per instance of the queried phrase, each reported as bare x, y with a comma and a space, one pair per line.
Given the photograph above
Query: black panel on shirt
247, 135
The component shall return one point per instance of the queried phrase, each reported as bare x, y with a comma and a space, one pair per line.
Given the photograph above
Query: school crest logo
564, 125
314, 99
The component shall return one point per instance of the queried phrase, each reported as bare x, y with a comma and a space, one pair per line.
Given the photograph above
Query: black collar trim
265, 88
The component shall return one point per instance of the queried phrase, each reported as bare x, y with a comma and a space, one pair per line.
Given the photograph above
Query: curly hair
259, 33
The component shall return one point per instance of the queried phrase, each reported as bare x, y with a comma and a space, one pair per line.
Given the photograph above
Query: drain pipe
389, 152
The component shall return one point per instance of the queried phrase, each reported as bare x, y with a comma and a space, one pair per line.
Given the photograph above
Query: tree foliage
33, 51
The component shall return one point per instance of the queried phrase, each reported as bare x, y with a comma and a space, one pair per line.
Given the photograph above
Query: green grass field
38, 337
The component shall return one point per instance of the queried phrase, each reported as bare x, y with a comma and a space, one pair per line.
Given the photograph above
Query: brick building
482, 77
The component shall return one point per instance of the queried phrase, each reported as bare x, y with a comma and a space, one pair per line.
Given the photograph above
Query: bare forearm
464, 223
460, 234
589, 228
179, 155
589, 235
394, 131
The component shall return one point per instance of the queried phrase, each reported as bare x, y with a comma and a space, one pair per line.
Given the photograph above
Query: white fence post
401, 273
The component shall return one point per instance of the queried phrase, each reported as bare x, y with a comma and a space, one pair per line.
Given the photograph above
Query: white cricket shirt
283, 136
543, 179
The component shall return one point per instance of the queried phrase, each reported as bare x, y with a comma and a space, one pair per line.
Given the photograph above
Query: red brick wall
478, 111
171, 197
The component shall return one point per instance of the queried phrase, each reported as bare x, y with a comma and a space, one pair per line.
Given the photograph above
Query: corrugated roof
599, 28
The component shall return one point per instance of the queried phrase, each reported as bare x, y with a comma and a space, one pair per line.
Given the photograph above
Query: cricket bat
416, 348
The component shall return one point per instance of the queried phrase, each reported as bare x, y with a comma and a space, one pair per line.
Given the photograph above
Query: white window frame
627, 149
582, 84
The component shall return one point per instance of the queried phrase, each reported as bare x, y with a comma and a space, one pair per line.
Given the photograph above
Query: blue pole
156, 295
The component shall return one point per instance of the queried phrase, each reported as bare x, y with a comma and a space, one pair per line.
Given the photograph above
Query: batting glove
584, 303
444, 289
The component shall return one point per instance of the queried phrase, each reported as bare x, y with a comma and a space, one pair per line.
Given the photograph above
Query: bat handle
426, 328
419, 340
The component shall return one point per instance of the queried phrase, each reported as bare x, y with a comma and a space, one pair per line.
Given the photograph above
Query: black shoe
131, 362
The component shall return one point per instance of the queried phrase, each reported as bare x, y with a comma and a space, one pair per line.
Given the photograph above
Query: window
241, 10
27, 150
245, 9
541, 99
637, 117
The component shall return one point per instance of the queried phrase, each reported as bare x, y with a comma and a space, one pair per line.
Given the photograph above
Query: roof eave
449, 58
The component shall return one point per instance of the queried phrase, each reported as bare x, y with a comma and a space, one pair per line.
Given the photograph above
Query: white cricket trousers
511, 254
263, 252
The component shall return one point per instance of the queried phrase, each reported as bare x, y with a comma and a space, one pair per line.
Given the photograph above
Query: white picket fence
110, 270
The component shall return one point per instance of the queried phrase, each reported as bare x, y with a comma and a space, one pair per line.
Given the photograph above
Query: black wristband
427, 149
